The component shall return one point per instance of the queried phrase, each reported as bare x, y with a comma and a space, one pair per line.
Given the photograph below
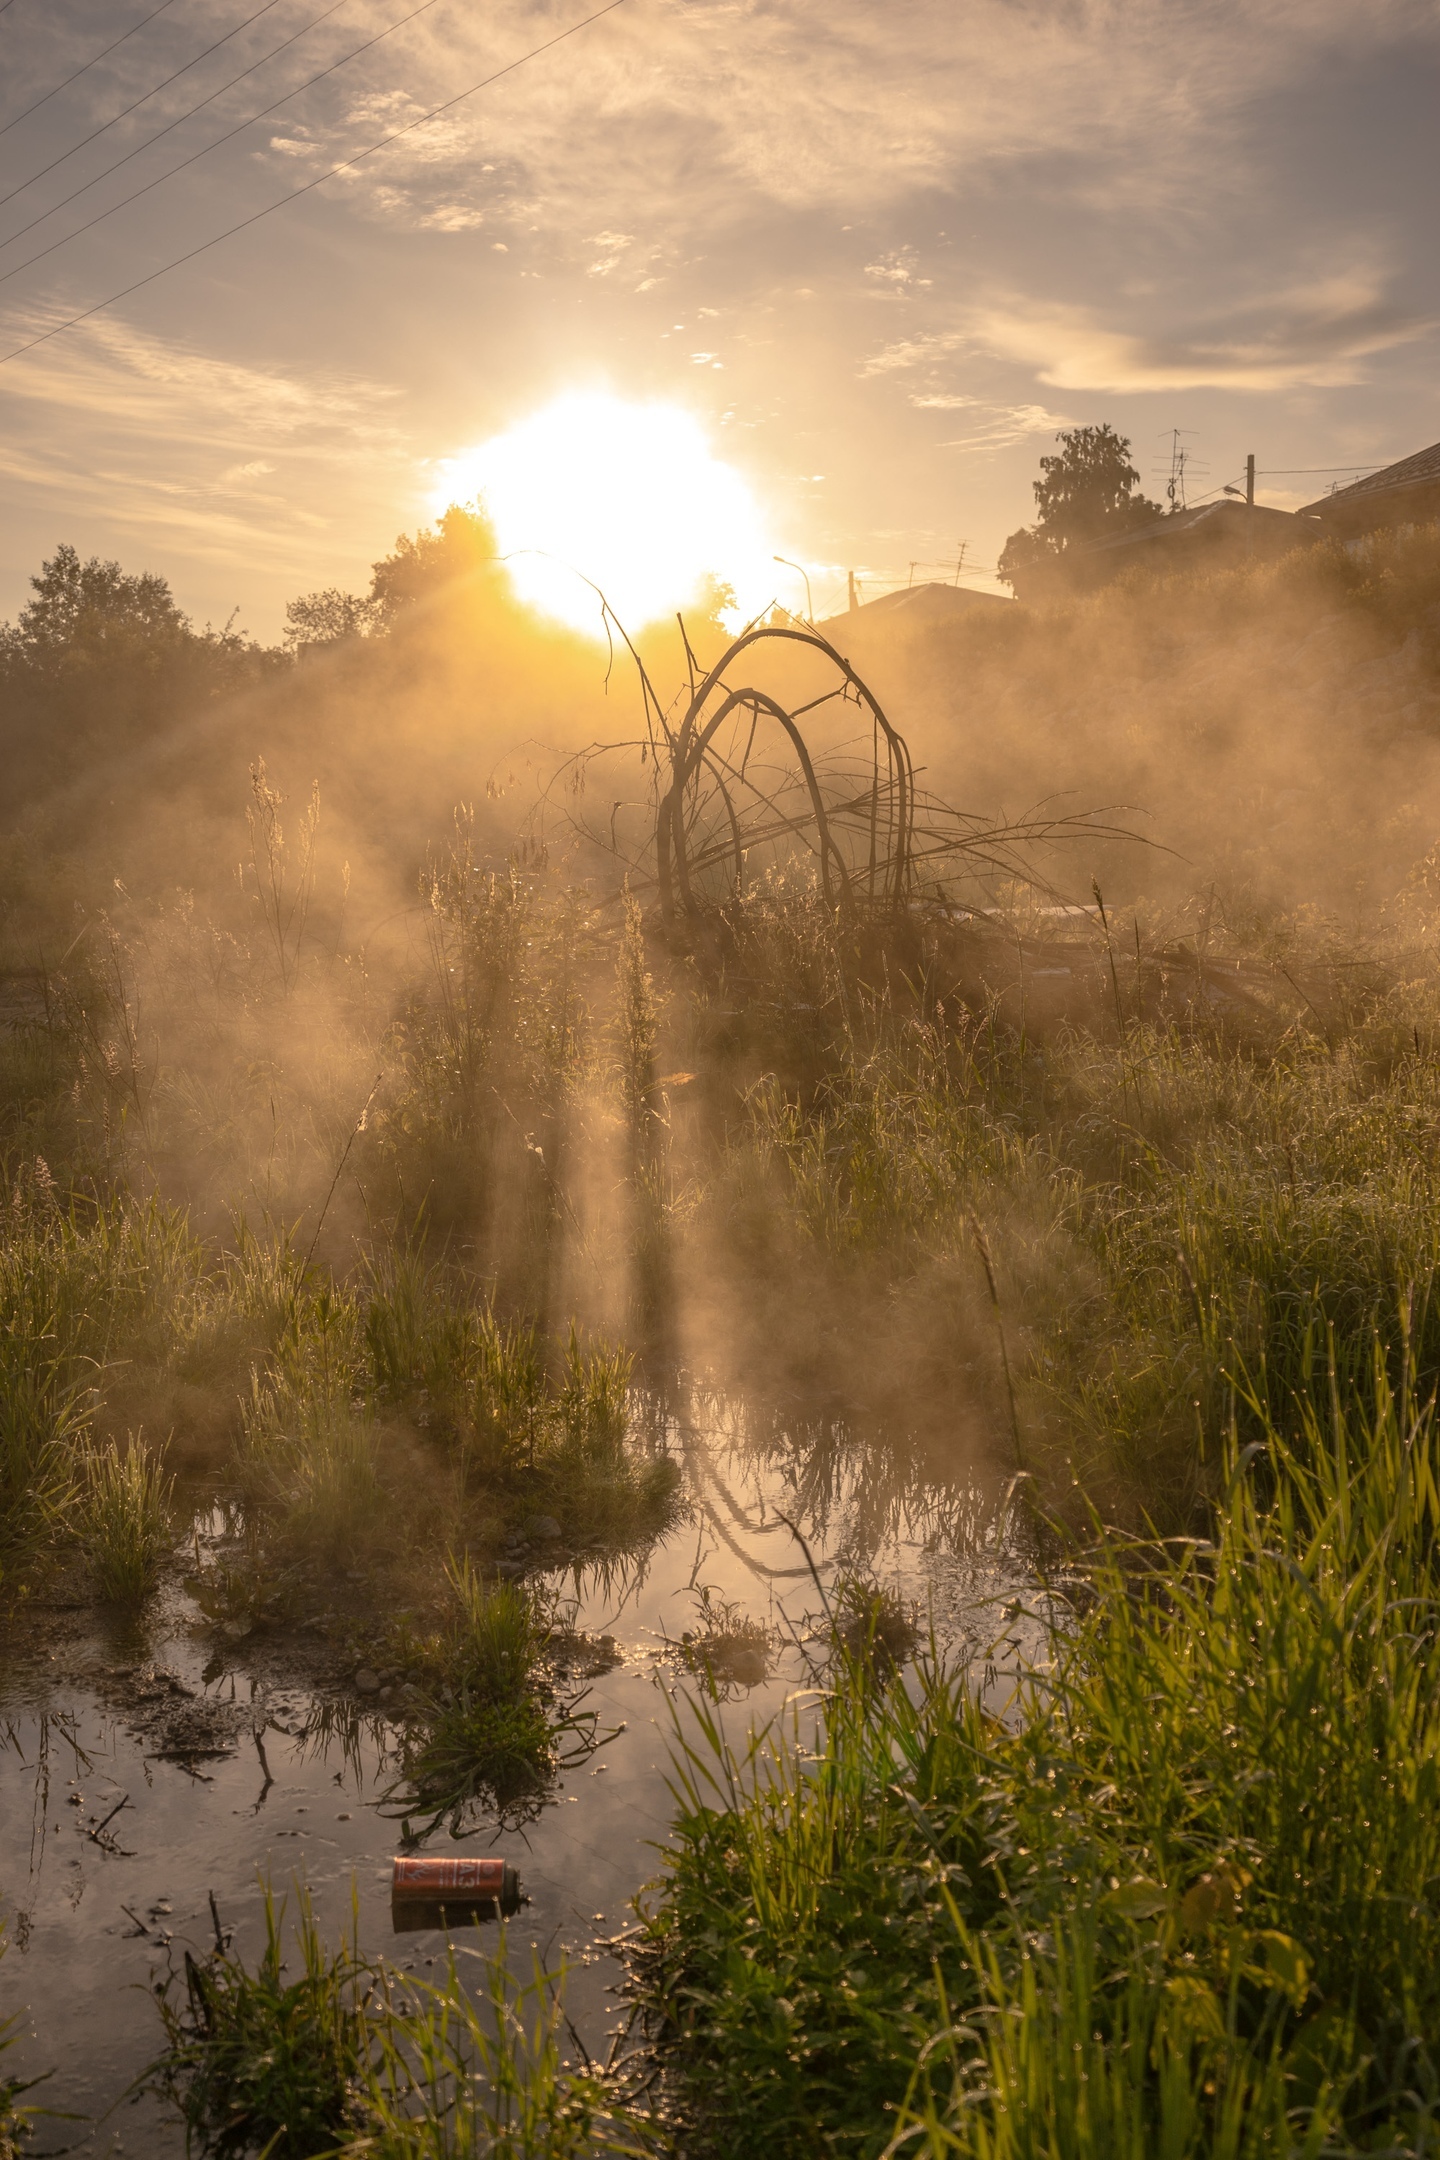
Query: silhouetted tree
327, 619
1086, 493
100, 660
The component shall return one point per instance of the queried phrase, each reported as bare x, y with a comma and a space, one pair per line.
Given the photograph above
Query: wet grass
351, 2059
17, 2118
258, 2063
494, 1723
124, 1518
1180, 1897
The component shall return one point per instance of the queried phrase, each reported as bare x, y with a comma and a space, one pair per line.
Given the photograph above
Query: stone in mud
543, 1528
367, 1682
509, 1569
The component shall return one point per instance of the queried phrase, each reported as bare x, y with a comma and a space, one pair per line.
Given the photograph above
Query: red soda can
426, 1891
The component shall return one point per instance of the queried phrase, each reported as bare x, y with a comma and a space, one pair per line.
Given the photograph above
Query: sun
630, 496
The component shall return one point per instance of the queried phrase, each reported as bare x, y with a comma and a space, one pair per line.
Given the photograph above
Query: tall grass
258, 2063
347, 2058
124, 1518
1182, 1896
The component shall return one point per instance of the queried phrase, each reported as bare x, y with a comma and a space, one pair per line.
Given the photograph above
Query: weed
16, 2118
123, 1516
874, 1630
489, 1731
457, 2072
726, 1647
256, 2063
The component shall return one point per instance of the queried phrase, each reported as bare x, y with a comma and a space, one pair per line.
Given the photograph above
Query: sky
879, 254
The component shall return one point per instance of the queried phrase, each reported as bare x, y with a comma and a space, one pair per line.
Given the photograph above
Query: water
281, 1772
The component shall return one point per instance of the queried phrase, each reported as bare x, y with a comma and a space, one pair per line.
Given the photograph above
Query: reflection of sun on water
629, 495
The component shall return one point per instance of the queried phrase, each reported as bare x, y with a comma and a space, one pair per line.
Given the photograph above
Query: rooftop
1422, 469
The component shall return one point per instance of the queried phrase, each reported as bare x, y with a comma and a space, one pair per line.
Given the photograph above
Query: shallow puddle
139, 1781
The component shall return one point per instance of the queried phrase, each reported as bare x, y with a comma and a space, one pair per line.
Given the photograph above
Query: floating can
427, 1892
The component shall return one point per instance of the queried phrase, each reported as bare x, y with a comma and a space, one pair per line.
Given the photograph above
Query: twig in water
123, 1801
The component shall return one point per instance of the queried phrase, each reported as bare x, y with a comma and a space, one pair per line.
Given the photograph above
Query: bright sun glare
629, 495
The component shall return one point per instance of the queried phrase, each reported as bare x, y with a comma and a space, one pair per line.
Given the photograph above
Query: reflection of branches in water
331, 1726
853, 1492
54, 1729
707, 804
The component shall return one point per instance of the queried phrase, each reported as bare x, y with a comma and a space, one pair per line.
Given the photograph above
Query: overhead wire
126, 110
170, 126
93, 61
345, 165
205, 149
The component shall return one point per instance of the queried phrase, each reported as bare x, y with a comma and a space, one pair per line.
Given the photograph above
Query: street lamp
809, 603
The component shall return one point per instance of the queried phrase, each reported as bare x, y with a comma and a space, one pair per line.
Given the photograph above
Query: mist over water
551, 1310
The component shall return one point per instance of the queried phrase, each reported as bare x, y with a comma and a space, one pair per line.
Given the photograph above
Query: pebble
367, 1682
544, 1528
508, 1568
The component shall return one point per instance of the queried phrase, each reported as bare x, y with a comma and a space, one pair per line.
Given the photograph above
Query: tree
452, 560
327, 618
100, 661
88, 614
1086, 493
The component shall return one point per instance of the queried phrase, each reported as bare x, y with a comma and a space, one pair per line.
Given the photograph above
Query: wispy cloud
1311, 336
996, 427
258, 459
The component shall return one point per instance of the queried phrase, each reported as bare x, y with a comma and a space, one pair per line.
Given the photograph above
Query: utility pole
1250, 481
911, 579
960, 565
854, 601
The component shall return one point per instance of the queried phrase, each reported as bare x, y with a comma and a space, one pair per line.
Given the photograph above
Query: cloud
255, 461
1312, 336
700, 111
998, 426
913, 352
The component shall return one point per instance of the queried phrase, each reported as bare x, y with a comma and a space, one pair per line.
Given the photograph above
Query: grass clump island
399, 1257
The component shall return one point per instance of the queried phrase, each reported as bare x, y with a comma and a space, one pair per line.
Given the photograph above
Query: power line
310, 185
125, 112
135, 194
92, 62
1273, 472
169, 129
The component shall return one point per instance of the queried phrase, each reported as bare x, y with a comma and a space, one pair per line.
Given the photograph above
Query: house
1213, 536
1406, 493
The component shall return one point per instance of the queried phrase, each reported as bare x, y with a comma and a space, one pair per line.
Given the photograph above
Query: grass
491, 1729
255, 2063
1195, 1862
350, 2059
124, 1518
1181, 1900
16, 2118
726, 1647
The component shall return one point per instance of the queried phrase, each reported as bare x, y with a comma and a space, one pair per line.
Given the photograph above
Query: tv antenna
1181, 458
